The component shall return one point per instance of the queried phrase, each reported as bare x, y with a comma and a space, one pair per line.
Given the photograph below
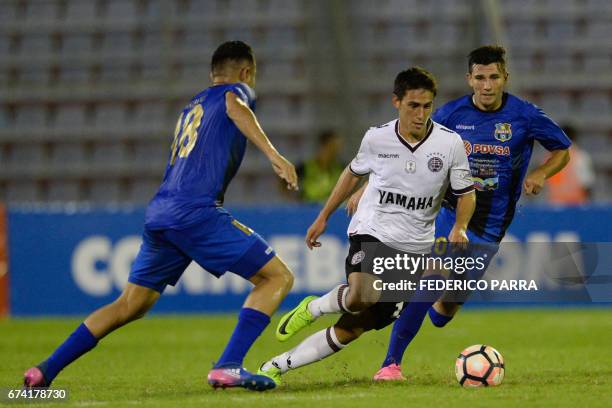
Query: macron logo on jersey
409, 203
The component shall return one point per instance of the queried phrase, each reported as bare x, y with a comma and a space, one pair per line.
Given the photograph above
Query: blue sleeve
546, 131
245, 93
442, 115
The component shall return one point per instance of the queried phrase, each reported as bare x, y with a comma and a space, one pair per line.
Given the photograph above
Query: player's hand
458, 238
314, 232
353, 203
534, 182
285, 170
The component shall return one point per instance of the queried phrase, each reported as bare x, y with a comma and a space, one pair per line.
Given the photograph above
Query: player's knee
346, 335
286, 279
132, 308
279, 274
356, 301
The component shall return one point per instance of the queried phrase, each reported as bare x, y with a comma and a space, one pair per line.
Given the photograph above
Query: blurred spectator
573, 185
318, 175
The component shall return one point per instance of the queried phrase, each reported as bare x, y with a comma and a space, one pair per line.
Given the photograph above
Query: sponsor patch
357, 257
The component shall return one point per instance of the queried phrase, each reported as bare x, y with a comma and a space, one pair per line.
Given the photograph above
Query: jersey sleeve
442, 115
546, 131
361, 165
245, 93
460, 174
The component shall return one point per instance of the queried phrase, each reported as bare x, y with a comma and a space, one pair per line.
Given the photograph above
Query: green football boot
272, 373
295, 320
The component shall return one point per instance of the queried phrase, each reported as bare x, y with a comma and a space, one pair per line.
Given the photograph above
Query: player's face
414, 111
487, 82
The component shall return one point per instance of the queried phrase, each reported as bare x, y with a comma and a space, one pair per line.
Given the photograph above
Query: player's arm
346, 184
466, 204
534, 182
353, 202
462, 186
245, 120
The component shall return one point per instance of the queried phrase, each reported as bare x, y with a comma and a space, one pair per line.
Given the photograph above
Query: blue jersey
205, 155
498, 145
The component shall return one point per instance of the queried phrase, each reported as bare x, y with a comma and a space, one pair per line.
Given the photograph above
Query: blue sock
79, 343
409, 322
404, 330
251, 323
438, 320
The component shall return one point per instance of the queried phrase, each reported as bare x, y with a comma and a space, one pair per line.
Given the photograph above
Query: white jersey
407, 183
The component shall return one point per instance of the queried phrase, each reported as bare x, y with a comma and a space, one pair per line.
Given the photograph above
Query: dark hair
327, 136
231, 51
414, 78
570, 131
486, 55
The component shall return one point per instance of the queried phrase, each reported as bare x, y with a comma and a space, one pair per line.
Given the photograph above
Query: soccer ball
479, 365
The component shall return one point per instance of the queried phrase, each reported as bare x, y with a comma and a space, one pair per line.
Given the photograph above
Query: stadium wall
68, 261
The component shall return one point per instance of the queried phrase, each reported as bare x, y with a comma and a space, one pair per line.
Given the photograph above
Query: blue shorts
478, 246
219, 243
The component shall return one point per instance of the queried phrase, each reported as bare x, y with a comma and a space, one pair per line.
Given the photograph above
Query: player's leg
155, 261
133, 303
356, 296
219, 244
441, 312
272, 283
404, 331
321, 344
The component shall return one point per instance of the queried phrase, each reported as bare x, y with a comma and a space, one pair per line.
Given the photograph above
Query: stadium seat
595, 103
35, 44
36, 75
147, 152
105, 191
5, 119
76, 43
109, 153
117, 42
142, 190
599, 31
557, 104
70, 116
597, 63
25, 155
124, 10
80, 10
20, 191
28, 117
197, 40
5, 46
73, 75
63, 190
109, 116
115, 72
8, 11
41, 10
68, 154
149, 113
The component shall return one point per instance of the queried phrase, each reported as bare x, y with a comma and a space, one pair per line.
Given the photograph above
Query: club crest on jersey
411, 166
435, 164
357, 257
503, 131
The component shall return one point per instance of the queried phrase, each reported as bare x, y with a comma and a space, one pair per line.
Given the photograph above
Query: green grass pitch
554, 357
